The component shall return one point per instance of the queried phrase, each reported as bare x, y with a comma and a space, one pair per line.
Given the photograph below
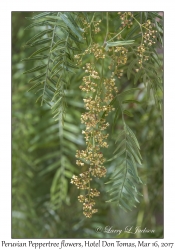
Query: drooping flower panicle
97, 103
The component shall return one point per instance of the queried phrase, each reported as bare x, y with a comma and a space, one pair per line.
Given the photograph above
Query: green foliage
58, 43
46, 138
127, 158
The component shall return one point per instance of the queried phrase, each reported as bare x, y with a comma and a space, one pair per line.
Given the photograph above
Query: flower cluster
148, 37
88, 209
95, 49
150, 34
119, 58
95, 24
126, 19
99, 95
141, 53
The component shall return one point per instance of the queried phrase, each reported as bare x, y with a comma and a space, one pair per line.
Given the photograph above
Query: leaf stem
116, 35
126, 168
45, 81
140, 28
107, 27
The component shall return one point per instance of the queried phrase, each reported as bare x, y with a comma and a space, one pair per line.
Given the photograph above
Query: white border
5, 97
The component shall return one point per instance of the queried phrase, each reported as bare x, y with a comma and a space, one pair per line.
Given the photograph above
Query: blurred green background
36, 147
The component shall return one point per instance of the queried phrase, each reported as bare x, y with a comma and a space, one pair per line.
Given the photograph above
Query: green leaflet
136, 199
57, 44
51, 88
119, 172
133, 136
34, 69
159, 27
118, 43
35, 86
139, 193
129, 191
125, 205
126, 195
132, 151
40, 34
41, 41
73, 138
40, 51
151, 74
71, 128
128, 113
71, 65
69, 165
130, 67
131, 143
39, 97
73, 48
57, 58
53, 17
157, 15
51, 167
116, 193
52, 81
37, 77
57, 103
119, 136
74, 39
120, 145
56, 177
136, 36
75, 104
70, 25
117, 155
68, 69
114, 181
57, 92
72, 20
43, 23
39, 15
56, 73
68, 174
129, 35
113, 199
35, 58
115, 118
156, 59
46, 157
134, 148
60, 61
117, 186
130, 183
130, 171
127, 92
132, 166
